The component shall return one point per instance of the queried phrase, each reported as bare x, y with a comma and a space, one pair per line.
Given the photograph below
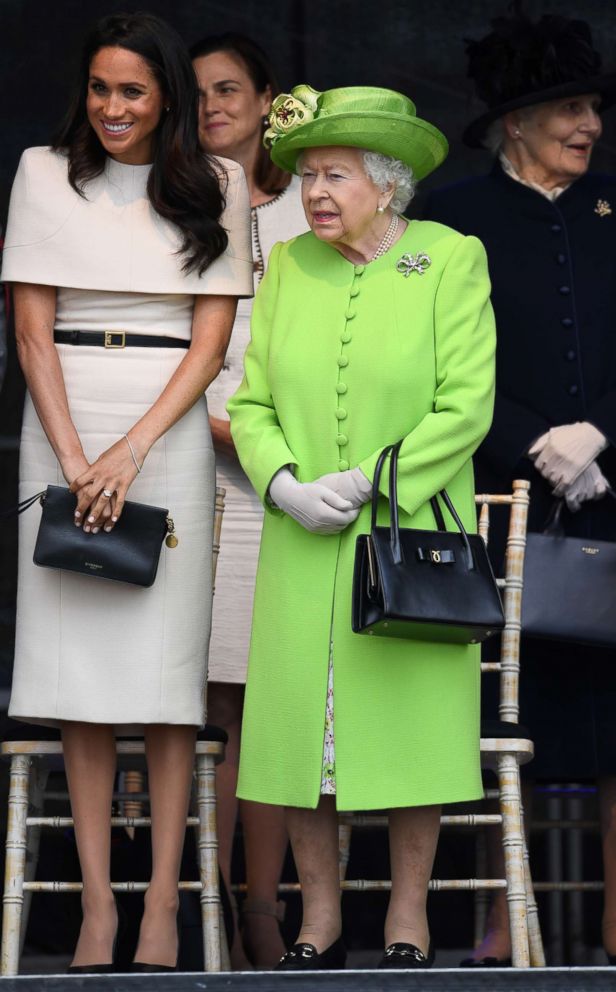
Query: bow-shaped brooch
414, 263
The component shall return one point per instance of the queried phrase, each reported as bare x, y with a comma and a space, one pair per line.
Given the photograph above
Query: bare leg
607, 807
90, 762
413, 836
225, 705
497, 940
314, 839
265, 844
170, 753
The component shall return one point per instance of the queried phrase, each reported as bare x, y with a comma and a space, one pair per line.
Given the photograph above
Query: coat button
564, 290
346, 336
359, 270
570, 355
341, 388
343, 465
573, 390
567, 322
343, 362
341, 440
561, 258
354, 292
555, 227
341, 413
350, 313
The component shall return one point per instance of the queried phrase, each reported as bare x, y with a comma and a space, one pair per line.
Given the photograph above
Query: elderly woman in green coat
350, 352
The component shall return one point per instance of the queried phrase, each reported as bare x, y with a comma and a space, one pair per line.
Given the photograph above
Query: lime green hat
357, 116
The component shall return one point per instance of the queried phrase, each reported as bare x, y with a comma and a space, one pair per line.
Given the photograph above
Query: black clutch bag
569, 586
425, 585
128, 553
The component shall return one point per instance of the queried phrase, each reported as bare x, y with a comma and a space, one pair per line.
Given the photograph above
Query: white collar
550, 194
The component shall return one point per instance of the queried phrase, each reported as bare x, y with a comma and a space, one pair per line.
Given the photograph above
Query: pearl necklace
388, 238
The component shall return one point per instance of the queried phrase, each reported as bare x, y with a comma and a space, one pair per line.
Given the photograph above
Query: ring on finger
107, 493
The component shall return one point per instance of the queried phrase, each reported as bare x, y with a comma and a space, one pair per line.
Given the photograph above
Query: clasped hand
313, 505
113, 472
565, 452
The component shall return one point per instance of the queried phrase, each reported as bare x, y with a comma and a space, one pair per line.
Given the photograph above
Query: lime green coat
343, 360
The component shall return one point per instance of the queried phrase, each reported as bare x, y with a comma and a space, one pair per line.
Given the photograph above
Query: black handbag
425, 585
128, 553
569, 586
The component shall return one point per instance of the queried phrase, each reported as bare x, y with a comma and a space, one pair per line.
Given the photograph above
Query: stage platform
435, 980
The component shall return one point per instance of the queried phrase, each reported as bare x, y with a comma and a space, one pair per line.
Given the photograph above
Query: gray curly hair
385, 172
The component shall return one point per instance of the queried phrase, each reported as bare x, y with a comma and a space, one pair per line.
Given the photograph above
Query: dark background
410, 45
415, 46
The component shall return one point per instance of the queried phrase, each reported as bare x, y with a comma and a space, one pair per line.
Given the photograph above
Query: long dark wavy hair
268, 177
183, 186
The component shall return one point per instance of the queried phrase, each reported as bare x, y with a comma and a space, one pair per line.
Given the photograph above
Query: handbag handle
394, 527
553, 525
438, 513
24, 505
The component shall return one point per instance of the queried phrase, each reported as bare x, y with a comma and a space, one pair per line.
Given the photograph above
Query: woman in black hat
549, 228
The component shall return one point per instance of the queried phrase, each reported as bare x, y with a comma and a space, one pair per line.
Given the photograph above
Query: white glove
316, 507
564, 452
590, 484
352, 485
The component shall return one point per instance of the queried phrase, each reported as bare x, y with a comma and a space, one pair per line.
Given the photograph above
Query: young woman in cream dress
124, 226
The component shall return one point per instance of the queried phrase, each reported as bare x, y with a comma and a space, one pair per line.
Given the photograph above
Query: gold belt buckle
111, 335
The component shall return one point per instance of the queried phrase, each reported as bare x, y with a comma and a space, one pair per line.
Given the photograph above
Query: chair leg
225, 960
38, 783
15, 863
344, 846
535, 942
481, 895
513, 849
207, 848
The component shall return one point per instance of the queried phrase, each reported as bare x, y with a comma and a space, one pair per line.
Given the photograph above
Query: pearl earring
516, 133
380, 210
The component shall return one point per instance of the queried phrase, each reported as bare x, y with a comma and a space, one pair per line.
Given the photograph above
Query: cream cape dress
89, 649
278, 220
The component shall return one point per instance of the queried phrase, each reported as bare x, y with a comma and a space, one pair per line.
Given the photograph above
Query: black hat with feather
521, 63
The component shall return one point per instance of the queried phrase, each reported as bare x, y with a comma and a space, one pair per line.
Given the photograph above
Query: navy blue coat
553, 271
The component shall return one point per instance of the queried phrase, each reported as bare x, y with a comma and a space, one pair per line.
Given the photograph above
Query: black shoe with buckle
403, 956
305, 957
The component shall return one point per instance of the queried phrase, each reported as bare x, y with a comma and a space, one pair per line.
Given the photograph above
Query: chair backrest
511, 585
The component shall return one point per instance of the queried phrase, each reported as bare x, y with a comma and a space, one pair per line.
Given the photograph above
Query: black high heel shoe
487, 962
402, 956
145, 968
305, 957
141, 968
103, 969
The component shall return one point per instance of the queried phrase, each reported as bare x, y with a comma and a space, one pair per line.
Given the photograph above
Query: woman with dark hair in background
548, 228
237, 84
127, 246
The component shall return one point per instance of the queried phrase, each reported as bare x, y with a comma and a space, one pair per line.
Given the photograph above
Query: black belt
118, 339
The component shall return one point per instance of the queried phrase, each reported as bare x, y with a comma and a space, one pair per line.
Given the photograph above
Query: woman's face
559, 136
124, 105
231, 111
339, 199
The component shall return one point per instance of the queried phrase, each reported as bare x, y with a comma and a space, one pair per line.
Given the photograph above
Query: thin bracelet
132, 452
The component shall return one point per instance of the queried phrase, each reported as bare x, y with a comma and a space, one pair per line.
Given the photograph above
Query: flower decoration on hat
291, 110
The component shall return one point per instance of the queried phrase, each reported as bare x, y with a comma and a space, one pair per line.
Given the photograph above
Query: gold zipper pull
171, 540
